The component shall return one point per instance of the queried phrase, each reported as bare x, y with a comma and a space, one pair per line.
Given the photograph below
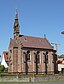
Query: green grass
11, 83
15, 83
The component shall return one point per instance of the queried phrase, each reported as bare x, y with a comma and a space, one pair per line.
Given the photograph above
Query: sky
36, 18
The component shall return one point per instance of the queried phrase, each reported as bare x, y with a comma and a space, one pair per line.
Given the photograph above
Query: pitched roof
5, 54
35, 42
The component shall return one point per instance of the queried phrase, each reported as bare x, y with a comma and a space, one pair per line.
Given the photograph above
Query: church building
28, 54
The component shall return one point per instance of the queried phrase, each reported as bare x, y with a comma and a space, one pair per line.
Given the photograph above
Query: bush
2, 68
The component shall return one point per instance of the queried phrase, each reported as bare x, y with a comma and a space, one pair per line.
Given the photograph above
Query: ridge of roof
31, 36
35, 42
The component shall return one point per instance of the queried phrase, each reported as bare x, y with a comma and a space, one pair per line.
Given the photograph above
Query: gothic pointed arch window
27, 56
37, 57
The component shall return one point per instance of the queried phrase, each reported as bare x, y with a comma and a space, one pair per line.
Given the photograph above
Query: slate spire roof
16, 25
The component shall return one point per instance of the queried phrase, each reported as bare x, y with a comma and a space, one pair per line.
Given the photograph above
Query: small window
6, 53
10, 51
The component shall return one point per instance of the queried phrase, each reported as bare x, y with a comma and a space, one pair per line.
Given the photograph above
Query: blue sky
36, 18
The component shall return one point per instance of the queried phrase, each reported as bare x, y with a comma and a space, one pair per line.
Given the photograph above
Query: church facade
29, 54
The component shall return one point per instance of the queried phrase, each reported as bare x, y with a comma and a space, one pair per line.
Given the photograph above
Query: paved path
54, 83
32, 83
48, 83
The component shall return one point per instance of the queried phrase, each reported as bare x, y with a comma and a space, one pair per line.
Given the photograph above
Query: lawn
14, 83
17, 83
10, 83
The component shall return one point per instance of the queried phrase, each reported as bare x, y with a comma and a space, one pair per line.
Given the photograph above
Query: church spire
16, 25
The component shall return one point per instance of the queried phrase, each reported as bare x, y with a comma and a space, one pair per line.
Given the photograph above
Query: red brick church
28, 54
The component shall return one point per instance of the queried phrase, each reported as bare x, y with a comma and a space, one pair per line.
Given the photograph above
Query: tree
2, 68
61, 56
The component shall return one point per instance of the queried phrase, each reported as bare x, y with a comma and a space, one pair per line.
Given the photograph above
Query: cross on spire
16, 14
